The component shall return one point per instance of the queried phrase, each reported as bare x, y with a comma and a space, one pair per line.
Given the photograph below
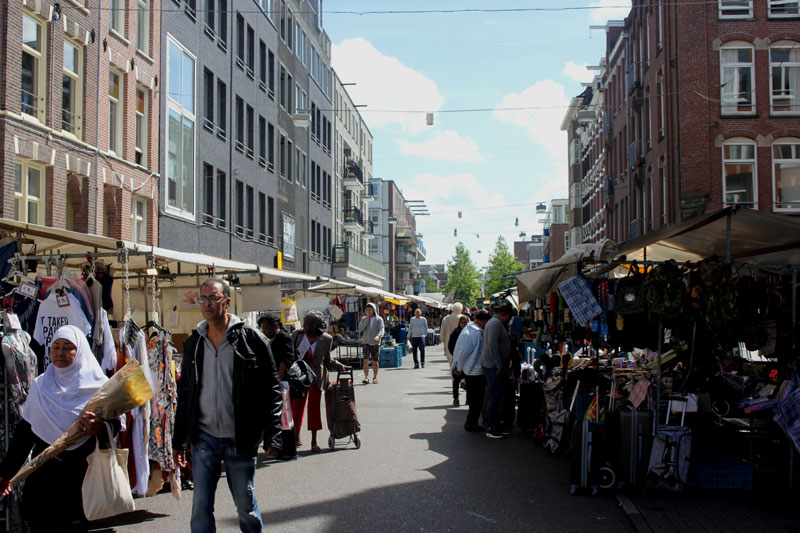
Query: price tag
27, 289
13, 321
62, 300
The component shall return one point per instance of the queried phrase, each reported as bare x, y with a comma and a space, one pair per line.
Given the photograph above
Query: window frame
722, 9
143, 29
117, 22
76, 100
773, 162
785, 45
141, 152
741, 141
116, 117
773, 3
40, 75
22, 198
726, 110
185, 115
136, 238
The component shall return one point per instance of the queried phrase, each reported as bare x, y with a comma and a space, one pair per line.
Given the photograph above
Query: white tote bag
106, 489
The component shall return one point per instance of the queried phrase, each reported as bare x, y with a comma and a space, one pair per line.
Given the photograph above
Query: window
222, 109
298, 44
662, 170
660, 41
283, 87
262, 217
271, 219
223, 24
784, 58
289, 28
34, 69
191, 8
117, 9
303, 170
222, 202
739, 172
139, 220
210, 18
262, 65
289, 157
313, 236
271, 72
661, 104
142, 125
115, 112
250, 212
250, 129
289, 91
208, 96
738, 87
240, 40
239, 124
29, 193
208, 194
297, 163
566, 240
271, 148
251, 52
239, 208
262, 141
735, 8
180, 129
288, 237
300, 99
143, 26
281, 156
784, 8
283, 19
72, 89
786, 174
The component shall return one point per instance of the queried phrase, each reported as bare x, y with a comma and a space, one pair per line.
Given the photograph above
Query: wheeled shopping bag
344, 423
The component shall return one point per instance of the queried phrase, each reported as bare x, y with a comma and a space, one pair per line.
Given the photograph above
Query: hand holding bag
106, 490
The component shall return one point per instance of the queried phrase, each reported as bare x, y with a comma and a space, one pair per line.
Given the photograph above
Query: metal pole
658, 372
728, 238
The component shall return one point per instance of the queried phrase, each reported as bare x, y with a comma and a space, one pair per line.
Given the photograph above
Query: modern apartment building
437, 272
556, 236
79, 98
247, 130
700, 111
397, 244
530, 252
353, 190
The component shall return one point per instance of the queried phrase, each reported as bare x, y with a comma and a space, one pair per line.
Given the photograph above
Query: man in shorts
371, 329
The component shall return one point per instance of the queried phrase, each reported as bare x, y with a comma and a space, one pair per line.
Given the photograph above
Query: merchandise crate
716, 473
402, 350
390, 359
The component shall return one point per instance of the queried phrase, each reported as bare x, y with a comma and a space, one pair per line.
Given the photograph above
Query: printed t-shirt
56, 311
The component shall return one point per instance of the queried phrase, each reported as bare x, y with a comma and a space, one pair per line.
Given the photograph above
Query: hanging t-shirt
56, 311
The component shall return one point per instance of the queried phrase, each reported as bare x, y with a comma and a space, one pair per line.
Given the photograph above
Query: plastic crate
716, 473
392, 360
401, 350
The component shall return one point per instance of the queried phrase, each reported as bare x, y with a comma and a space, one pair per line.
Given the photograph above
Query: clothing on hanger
55, 311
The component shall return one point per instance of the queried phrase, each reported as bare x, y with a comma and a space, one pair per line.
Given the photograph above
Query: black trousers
456, 382
476, 388
418, 343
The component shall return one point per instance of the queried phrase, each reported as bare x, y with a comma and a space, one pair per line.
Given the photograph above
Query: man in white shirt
418, 330
467, 361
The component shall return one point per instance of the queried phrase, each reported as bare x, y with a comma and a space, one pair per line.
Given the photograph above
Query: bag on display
630, 295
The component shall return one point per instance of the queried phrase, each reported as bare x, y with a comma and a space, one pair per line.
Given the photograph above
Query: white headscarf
59, 395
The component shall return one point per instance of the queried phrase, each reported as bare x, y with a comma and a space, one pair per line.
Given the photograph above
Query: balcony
345, 256
421, 252
608, 128
635, 155
370, 190
608, 188
369, 230
631, 79
353, 220
406, 234
353, 179
407, 261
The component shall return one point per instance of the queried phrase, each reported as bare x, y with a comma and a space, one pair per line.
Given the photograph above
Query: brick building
78, 98
555, 230
696, 107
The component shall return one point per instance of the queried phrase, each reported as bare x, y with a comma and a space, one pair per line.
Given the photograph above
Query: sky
491, 165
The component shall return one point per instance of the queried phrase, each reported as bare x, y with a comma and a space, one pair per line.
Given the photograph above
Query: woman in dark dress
51, 496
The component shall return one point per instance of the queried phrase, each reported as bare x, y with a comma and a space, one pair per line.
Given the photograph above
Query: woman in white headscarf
51, 497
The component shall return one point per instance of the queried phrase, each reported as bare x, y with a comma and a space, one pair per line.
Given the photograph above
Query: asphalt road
417, 470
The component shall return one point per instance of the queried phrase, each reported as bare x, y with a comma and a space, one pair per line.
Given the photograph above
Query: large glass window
29, 193
784, 59
180, 129
737, 79
142, 124
143, 26
784, 8
735, 8
786, 174
72, 89
117, 9
33, 99
115, 112
739, 172
139, 220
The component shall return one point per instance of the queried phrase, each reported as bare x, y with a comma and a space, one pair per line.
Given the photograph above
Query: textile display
20, 368
580, 299
787, 415
163, 404
55, 311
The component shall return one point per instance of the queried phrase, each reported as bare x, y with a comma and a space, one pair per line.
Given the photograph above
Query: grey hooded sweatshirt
369, 328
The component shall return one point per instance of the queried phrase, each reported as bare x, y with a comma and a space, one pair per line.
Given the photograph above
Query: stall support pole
728, 238
658, 372
794, 350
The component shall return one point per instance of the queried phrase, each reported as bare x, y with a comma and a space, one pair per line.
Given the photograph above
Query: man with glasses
229, 397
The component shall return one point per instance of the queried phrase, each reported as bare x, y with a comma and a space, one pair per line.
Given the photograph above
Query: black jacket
283, 349
257, 399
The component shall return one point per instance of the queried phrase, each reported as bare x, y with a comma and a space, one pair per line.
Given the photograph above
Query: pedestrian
229, 398
467, 363
314, 347
371, 328
515, 330
280, 342
495, 359
449, 323
51, 496
418, 331
451, 344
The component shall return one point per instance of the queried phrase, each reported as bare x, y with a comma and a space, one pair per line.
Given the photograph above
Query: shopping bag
287, 422
106, 490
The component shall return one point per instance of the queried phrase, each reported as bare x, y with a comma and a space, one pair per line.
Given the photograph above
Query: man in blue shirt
467, 361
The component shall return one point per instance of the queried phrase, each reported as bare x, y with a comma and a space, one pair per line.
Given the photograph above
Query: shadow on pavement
136, 517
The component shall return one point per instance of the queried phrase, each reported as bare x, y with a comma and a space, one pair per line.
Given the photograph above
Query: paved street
417, 470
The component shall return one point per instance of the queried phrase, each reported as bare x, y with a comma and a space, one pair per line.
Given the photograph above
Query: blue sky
482, 163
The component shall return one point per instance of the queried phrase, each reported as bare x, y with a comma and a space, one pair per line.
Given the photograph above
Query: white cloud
384, 83
577, 72
539, 109
445, 146
610, 10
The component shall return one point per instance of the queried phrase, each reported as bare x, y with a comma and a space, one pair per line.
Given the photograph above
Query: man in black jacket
283, 351
229, 397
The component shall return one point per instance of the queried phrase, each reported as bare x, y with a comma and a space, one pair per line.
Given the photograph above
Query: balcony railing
635, 154
30, 103
352, 215
345, 255
407, 259
421, 249
631, 78
353, 170
608, 187
369, 191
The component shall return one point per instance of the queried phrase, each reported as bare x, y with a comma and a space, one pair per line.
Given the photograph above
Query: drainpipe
97, 187
229, 125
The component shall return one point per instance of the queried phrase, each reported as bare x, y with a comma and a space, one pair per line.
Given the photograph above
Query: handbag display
630, 295
106, 489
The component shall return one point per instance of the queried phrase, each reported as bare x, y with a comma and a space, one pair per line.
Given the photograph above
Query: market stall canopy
538, 282
756, 237
332, 288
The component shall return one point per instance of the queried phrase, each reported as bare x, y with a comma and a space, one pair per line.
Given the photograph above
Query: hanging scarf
59, 395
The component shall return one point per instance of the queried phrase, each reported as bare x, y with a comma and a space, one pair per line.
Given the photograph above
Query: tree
463, 276
501, 262
430, 283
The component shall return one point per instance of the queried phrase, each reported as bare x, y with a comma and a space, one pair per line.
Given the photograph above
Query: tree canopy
463, 276
501, 262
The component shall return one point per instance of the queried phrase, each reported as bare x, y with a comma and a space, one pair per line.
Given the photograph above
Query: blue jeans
495, 384
208, 454
418, 343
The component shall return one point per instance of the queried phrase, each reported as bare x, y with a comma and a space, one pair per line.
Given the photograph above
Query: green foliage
463, 276
430, 283
501, 262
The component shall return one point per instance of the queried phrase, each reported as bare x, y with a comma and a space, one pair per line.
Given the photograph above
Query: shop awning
540, 281
755, 237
